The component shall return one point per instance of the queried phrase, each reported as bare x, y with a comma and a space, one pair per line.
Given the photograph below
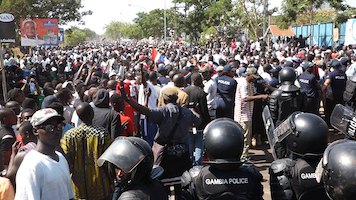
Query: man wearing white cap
44, 172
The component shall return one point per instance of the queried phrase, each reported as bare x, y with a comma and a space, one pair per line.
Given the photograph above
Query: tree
307, 9
132, 31
200, 15
75, 36
152, 23
64, 10
112, 30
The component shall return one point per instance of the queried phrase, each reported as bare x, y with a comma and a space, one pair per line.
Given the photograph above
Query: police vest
240, 183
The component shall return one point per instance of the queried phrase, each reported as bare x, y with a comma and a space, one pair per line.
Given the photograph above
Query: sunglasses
52, 127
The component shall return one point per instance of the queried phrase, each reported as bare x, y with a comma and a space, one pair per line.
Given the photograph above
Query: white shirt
210, 89
243, 109
351, 70
152, 99
41, 178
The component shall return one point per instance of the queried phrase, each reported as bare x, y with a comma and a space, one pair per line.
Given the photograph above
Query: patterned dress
82, 146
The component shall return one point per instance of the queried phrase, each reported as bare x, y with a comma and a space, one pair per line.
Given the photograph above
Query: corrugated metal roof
275, 31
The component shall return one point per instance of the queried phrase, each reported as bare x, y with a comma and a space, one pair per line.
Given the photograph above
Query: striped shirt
243, 109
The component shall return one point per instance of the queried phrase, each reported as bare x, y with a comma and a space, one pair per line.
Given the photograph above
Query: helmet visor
124, 154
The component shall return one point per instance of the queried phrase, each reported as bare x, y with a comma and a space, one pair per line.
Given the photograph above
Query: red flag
154, 54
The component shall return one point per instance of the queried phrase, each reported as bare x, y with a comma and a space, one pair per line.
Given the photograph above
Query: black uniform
150, 190
240, 182
284, 101
310, 91
295, 179
225, 96
338, 84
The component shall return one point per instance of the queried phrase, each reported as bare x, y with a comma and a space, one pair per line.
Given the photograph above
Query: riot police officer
309, 88
294, 177
339, 170
338, 163
225, 176
131, 161
286, 99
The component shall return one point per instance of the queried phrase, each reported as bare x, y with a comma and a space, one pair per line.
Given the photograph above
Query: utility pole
165, 21
265, 9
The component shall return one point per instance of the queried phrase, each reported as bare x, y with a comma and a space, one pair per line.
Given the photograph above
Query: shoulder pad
188, 176
276, 93
194, 171
131, 194
288, 88
281, 165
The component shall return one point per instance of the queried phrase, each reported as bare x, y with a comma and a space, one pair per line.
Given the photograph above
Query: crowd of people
69, 110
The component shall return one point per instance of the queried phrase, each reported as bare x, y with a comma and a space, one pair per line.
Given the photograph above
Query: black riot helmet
309, 135
287, 74
131, 155
224, 141
339, 170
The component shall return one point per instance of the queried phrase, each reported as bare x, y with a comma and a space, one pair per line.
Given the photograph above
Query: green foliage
64, 10
75, 36
112, 30
307, 10
200, 15
152, 23
207, 34
116, 30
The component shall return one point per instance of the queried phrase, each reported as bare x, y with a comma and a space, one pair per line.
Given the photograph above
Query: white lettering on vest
352, 127
304, 81
226, 181
224, 82
307, 175
340, 77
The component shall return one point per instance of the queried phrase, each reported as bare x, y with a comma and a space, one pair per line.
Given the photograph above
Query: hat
41, 116
170, 94
335, 63
101, 98
48, 100
307, 65
220, 69
344, 61
251, 71
227, 68
288, 64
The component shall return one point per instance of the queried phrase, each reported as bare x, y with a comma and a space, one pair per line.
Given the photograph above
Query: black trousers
311, 105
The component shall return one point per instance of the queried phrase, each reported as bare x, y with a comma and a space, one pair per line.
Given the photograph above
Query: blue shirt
338, 83
308, 84
226, 88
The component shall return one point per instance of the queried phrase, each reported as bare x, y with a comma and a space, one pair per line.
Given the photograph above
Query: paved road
261, 156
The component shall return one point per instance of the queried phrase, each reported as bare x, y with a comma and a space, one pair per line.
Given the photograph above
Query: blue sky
105, 11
